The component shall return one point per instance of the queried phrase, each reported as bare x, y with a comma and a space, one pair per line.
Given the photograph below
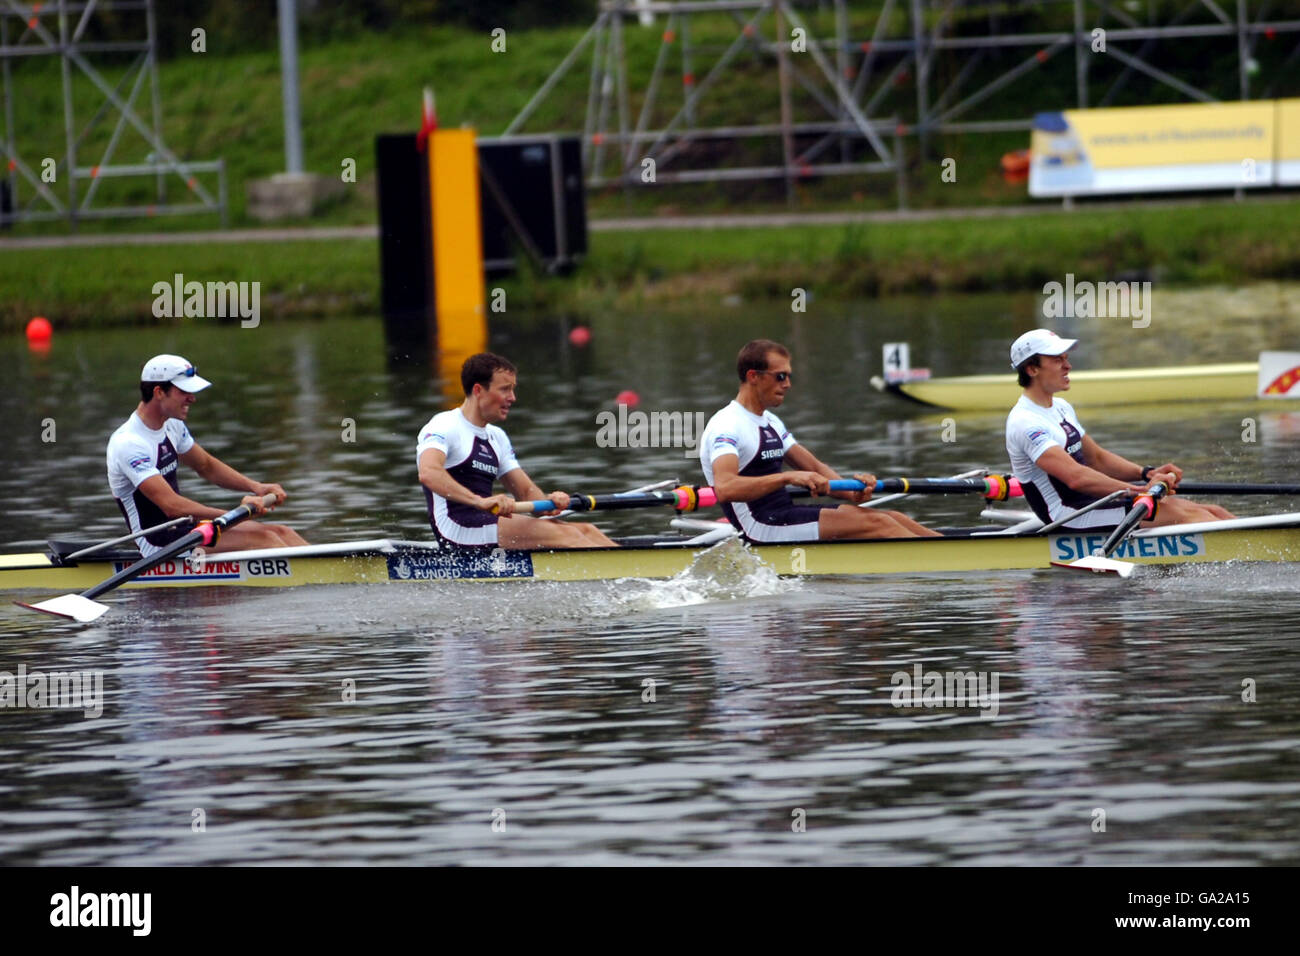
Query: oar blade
1098, 565
73, 607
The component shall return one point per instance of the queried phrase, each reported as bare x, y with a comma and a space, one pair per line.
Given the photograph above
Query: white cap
1039, 342
173, 369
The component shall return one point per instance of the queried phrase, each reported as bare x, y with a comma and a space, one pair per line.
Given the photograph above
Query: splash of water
725, 572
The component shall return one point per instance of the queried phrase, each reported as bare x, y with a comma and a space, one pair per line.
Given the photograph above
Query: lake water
736, 719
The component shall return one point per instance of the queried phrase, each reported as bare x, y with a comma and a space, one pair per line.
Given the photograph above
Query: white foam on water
725, 572
728, 571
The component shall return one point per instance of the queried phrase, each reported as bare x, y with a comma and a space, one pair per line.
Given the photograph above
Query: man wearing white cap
142, 460
1060, 467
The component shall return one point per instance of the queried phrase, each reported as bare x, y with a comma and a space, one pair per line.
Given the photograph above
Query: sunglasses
779, 376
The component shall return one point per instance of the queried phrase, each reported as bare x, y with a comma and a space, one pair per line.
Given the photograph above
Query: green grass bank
1176, 244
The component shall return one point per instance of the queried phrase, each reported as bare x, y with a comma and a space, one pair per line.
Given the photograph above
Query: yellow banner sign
1248, 145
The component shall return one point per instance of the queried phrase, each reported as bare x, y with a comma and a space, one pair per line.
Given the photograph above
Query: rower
1060, 467
143, 457
460, 455
744, 448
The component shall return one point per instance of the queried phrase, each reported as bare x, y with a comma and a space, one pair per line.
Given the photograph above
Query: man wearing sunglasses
744, 449
143, 455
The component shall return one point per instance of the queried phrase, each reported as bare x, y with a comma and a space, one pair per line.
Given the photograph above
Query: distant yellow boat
1236, 381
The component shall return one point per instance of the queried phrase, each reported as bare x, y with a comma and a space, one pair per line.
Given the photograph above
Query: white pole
289, 86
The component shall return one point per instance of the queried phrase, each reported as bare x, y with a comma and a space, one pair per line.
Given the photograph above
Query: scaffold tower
853, 82
107, 158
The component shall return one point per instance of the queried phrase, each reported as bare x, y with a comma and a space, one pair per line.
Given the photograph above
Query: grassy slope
226, 103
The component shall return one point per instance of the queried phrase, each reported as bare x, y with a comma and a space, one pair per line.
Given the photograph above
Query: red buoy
39, 330
580, 335
627, 397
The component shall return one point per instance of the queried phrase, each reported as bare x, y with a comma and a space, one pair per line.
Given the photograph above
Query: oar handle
1144, 506
211, 530
228, 518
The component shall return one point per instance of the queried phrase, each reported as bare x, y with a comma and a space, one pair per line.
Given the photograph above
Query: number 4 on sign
898, 358
898, 365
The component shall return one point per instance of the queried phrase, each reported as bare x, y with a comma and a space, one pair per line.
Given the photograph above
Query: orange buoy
1015, 165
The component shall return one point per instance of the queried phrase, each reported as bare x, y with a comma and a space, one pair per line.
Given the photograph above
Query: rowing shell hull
1133, 386
408, 561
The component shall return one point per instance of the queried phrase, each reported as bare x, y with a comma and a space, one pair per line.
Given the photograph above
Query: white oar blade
74, 607
1098, 565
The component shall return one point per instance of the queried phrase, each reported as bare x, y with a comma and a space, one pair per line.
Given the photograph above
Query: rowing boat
1269, 538
1235, 381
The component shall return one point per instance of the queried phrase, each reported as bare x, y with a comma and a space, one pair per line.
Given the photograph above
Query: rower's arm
1109, 463
174, 505
435, 477
730, 485
518, 483
1081, 478
213, 469
804, 460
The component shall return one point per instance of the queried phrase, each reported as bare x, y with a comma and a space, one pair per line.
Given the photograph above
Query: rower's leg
595, 538
918, 529
848, 521
1181, 511
523, 532
251, 535
288, 537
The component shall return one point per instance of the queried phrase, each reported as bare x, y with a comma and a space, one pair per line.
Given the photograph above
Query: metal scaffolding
31, 32
914, 42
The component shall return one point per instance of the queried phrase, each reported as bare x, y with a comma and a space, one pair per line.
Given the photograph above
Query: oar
83, 609
1100, 560
654, 486
994, 487
687, 498
684, 498
183, 519
877, 502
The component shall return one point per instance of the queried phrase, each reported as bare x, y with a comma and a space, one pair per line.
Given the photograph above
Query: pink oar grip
707, 498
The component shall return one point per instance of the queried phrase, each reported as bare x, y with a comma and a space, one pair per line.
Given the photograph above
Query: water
725, 717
